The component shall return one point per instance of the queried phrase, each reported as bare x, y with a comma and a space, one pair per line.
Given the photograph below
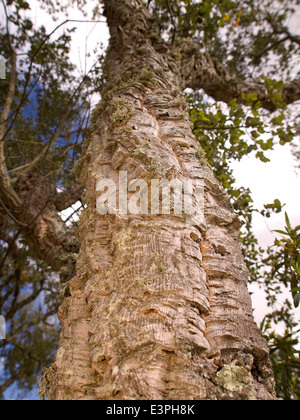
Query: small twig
12, 216
20, 230
9, 249
172, 21
68, 106
271, 47
74, 212
25, 95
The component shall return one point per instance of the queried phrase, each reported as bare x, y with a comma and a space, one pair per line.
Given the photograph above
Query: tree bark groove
158, 309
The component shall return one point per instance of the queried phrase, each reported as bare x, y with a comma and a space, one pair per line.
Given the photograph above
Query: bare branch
7, 192
10, 94
281, 30
11, 215
172, 21
6, 384
12, 80
29, 166
10, 248
271, 47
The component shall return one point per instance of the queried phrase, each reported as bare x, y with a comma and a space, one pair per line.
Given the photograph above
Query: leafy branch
288, 258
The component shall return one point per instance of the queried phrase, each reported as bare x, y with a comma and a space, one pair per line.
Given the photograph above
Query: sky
277, 179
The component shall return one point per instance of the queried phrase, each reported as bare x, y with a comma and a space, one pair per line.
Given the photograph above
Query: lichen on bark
236, 379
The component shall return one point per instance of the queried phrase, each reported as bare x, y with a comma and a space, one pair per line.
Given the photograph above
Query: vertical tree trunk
158, 309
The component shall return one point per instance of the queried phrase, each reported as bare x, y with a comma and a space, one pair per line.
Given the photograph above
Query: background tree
45, 112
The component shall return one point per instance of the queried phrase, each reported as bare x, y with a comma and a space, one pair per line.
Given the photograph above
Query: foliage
287, 259
280, 271
284, 357
296, 151
29, 302
228, 133
250, 37
222, 134
231, 132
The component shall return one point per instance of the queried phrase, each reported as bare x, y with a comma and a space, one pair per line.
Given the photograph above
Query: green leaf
297, 300
250, 98
268, 145
281, 232
255, 134
288, 223
278, 120
262, 157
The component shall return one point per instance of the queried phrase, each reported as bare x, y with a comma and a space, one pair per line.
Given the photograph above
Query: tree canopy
240, 71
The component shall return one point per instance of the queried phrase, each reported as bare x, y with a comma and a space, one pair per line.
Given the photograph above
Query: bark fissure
155, 310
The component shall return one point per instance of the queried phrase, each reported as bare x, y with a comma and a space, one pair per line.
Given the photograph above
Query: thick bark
158, 309
44, 231
68, 198
36, 217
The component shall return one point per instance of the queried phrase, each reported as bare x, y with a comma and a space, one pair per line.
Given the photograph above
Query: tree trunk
159, 309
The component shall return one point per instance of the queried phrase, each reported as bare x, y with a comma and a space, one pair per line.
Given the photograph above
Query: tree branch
172, 21
271, 47
12, 80
31, 165
201, 71
67, 198
46, 234
25, 93
11, 92
280, 30
6, 384
7, 193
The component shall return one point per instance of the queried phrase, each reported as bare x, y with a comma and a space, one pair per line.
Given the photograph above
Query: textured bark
35, 211
158, 309
68, 198
43, 229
